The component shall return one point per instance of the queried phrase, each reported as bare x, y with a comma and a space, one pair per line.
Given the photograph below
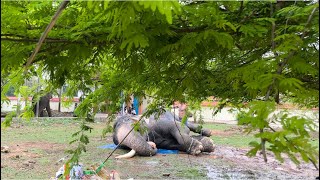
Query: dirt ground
226, 162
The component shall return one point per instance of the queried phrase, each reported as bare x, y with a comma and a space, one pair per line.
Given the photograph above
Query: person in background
182, 110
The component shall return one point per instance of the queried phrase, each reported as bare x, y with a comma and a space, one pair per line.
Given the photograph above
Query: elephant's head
135, 140
49, 96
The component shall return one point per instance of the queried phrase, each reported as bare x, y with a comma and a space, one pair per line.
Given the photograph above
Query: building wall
54, 104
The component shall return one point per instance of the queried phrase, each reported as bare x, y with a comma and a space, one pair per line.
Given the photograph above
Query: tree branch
195, 29
240, 9
314, 164
48, 40
45, 33
285, 61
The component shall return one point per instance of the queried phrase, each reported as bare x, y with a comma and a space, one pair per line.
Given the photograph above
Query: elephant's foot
195, 147
206, 132
208, 145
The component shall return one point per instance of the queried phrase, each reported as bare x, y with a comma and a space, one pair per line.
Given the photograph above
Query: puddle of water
221, 173
226, 173
153, 163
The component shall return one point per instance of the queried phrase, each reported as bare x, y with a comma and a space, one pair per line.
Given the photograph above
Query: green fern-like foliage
170, 51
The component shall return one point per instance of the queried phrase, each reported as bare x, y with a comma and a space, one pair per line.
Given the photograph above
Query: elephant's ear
128, 155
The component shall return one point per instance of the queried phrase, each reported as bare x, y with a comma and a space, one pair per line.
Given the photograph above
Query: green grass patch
191, 173
218, 126
240, 141
54, 131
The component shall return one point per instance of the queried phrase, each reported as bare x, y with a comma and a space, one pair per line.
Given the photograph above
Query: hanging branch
35, 40
45, 33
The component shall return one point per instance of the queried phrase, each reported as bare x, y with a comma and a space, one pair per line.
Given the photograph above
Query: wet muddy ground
225, 163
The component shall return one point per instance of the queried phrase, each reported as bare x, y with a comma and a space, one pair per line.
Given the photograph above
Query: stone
166, 174
5, 149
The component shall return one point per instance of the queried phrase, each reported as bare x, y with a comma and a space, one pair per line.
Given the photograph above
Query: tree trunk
60, 94
263, 147
18, 105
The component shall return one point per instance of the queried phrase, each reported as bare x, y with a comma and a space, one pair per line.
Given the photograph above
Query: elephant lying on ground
162, 133
44, 103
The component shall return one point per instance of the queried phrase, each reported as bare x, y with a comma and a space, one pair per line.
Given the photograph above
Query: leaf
271, 20
293, 158
106, 4
71, 142
84, 139
289, 83
76, 134
231, 26
254, 150
184, 120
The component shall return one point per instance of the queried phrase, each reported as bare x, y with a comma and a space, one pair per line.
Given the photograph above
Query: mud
243, 167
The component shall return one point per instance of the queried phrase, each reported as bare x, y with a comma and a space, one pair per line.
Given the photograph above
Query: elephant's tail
128, 155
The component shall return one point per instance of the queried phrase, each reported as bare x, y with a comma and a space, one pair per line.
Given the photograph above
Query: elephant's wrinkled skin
44, 103
134, 140
165, 133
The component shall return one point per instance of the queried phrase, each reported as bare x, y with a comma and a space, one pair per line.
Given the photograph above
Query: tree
187, 51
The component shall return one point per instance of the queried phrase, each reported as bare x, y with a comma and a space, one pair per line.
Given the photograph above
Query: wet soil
225, 163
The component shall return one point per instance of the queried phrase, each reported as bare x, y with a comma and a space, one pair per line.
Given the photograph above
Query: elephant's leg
173, 130
171, 144
41, 113
49, 110
207, 143
188, 144
164, 141
197, 129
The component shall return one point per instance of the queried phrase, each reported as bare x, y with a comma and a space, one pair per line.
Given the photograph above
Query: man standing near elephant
193, 127
182, 111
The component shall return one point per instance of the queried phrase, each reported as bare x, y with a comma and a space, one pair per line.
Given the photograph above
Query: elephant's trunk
128, 155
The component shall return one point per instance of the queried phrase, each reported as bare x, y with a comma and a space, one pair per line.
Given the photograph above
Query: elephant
163, 132
44, 103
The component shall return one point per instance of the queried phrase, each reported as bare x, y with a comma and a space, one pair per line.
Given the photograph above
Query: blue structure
136, 105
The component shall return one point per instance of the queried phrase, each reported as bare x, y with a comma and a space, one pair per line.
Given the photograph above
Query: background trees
185, 51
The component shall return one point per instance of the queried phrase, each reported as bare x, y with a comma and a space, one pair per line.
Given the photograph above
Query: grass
46, 139
55, 131
233, 137
218, 126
